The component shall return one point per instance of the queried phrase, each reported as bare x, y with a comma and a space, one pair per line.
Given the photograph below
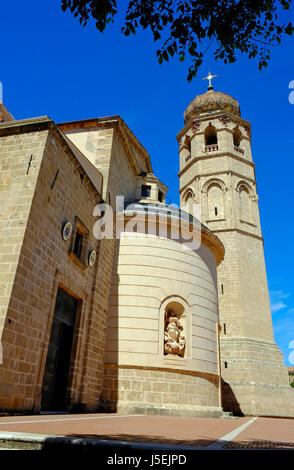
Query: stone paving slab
156, 429
260, 433
266, 433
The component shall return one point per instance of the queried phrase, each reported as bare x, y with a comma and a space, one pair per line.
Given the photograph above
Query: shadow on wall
114, 393
229, 400
110, 386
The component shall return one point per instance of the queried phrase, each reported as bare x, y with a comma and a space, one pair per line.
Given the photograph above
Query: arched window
186, 149
187, 143
237, 136
160, 196
145, 190
210, 135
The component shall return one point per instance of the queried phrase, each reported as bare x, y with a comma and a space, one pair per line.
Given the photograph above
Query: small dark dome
211, 101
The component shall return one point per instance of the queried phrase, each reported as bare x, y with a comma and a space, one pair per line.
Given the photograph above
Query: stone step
227, 414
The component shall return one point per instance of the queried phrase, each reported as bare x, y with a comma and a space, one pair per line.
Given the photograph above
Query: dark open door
55, 381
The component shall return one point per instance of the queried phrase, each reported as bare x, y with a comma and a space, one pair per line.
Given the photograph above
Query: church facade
144, 320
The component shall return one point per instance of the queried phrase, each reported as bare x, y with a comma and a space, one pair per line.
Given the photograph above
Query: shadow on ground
90, 440
259, 445
145, 439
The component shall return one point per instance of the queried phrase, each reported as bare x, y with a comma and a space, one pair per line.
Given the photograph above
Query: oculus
66, 231
92, 258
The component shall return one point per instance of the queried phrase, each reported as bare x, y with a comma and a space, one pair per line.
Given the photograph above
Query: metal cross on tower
209, 78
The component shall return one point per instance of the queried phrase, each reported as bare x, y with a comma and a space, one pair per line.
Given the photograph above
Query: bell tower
217, 172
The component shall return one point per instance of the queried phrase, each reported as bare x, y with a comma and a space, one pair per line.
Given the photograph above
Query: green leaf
156, 35
171, 50
289, 29
132, 28
182, 56
165, 56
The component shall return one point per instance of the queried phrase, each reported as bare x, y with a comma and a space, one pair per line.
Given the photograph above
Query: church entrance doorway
57, 368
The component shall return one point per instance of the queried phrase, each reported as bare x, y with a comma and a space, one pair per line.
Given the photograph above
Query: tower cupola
211, 101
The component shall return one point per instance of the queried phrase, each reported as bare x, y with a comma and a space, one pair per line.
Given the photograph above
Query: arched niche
185, 149
188, 194
245, 201
175, 328
188, 200
215, 199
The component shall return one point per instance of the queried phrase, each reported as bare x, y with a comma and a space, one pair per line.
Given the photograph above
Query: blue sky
51, 66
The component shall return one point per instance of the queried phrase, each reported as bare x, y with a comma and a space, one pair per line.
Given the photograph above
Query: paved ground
200, 432
266, 433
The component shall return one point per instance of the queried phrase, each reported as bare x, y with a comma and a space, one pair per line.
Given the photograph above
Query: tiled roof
211, 101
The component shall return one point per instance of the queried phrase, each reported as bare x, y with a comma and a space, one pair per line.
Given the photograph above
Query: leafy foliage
184, 27
102, 11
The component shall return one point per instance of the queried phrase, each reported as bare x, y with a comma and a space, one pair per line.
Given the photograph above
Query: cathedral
112, 300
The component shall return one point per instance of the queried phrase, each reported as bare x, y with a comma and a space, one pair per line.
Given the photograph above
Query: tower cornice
214, 115
242, 232
217, 173
216, 155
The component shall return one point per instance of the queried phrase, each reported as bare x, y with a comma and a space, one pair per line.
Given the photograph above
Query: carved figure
174, 339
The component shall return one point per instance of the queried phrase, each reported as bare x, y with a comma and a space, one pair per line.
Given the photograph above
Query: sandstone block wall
43, 265
96, 144
150, 274
17, 187
243, 292
112, 148
163, 392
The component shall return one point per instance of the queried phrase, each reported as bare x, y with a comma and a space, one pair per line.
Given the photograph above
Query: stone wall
17, 186
112, 148
163, 392
258, 399
151, 274
95, 143
44, 264
122, 175
242, 272
149, 271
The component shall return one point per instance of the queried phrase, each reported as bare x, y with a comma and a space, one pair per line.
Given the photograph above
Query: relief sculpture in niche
174, 339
